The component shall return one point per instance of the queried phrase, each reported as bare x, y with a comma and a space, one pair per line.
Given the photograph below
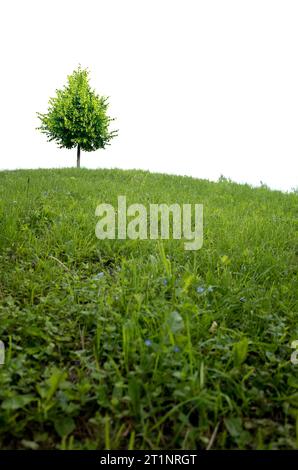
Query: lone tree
77, 116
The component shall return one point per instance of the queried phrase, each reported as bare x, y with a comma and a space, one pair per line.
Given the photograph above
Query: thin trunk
78, 156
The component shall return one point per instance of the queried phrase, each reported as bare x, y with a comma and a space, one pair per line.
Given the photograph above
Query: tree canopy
77, 116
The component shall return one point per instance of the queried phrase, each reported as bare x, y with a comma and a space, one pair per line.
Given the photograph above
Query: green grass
133, 359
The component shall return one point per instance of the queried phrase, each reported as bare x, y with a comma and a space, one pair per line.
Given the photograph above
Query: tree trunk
78, 156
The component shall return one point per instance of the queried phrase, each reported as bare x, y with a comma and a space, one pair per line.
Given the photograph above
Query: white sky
201, 88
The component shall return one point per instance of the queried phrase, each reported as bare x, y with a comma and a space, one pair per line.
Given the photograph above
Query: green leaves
77, 116
52, 384
16, 402
233, 425
64, 426
240, 350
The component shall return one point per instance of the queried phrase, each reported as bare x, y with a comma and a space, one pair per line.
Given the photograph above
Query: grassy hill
141, 344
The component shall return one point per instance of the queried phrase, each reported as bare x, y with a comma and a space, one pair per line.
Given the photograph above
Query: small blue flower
200, 289
148, 342
176, 349
165, 282
98, 276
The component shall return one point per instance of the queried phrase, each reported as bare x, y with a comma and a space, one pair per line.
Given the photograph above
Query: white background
201, 88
